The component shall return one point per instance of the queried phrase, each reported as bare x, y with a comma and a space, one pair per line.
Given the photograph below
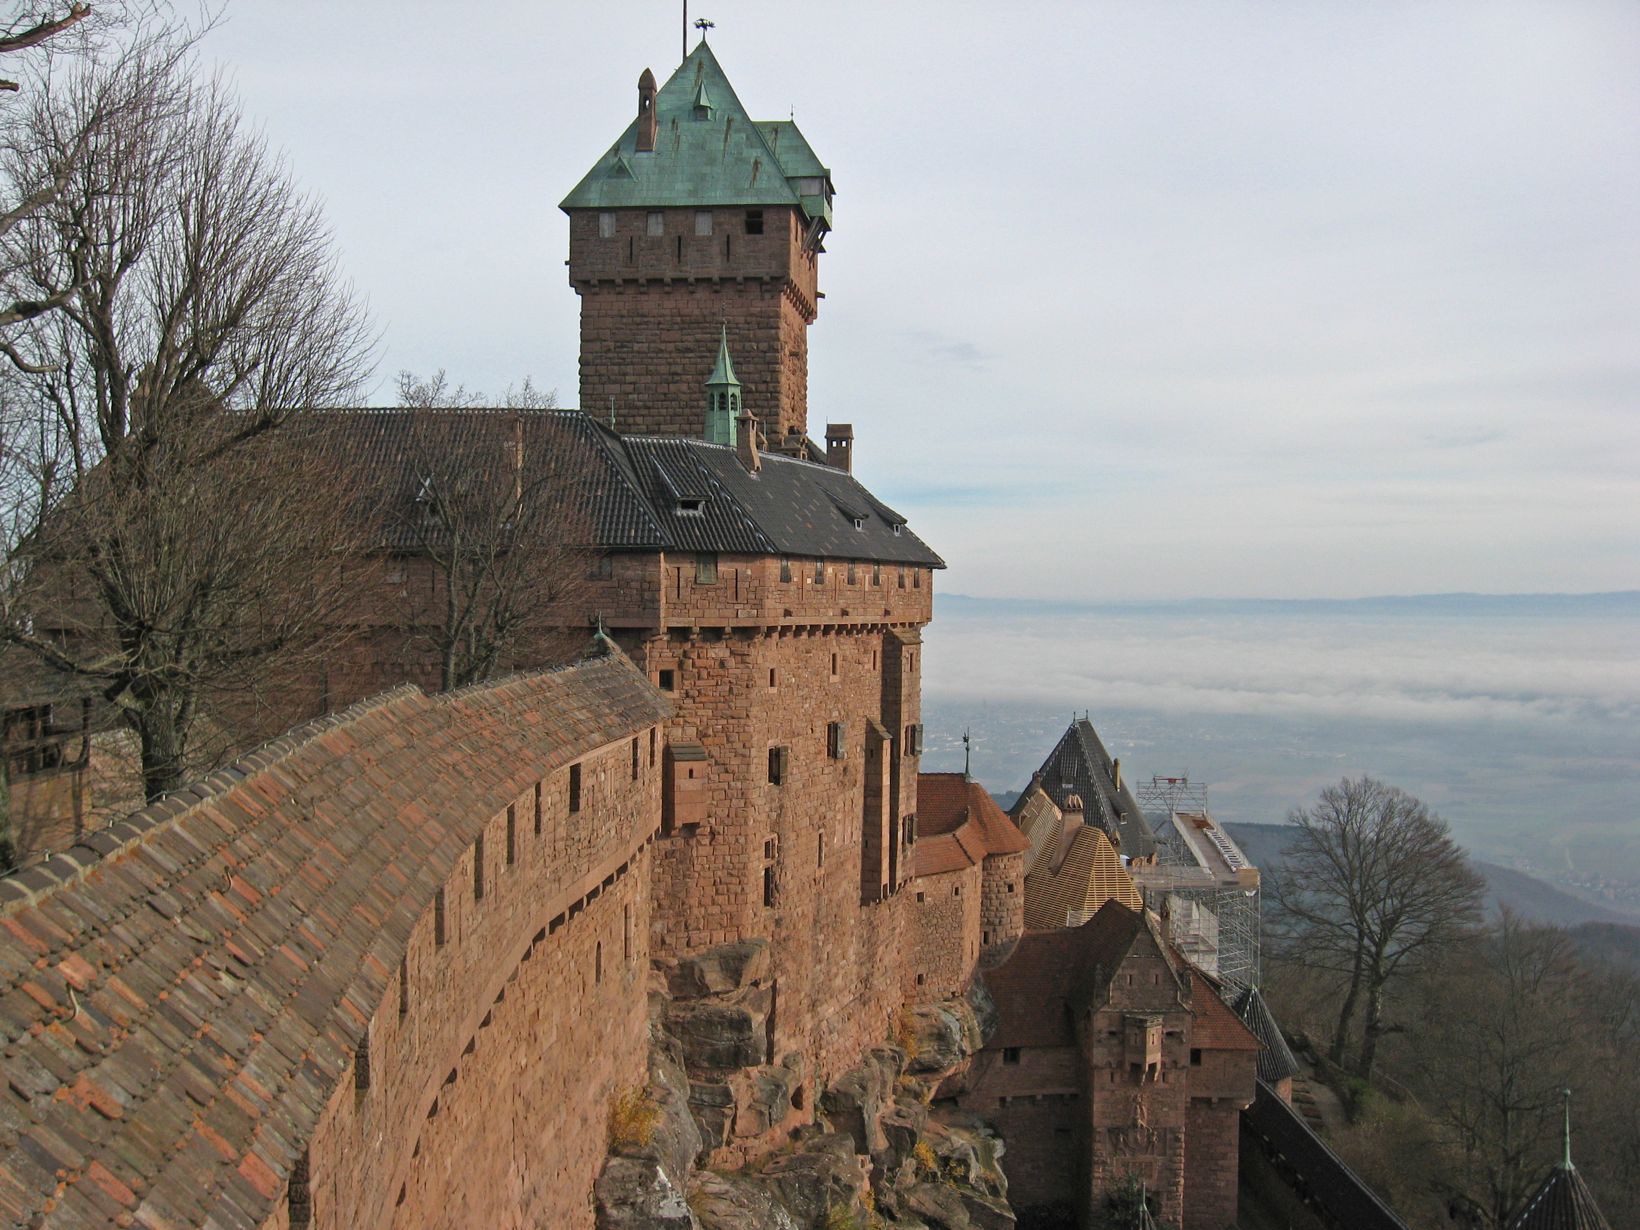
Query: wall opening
574, 788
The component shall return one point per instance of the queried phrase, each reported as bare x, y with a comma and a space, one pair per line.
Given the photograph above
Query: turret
722, 396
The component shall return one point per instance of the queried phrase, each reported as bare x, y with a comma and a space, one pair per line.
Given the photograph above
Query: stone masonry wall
1002, 907
946, 936
653, 308
1211, 1161
495, 1051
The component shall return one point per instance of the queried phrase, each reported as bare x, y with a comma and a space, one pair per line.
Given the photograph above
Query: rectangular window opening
819, 572
538, 809
657, 223
768, 888
785, 570
478, 868
651, 747
666, 680
706, 569
835, 740
1010, 1054
778, 763
439, 930
512, 834
404, 988
574, 788
703, 221
606, 225
754, 221
634, 757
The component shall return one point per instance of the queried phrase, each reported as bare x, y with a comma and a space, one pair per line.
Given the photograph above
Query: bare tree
1372, 884
165, 543
496, 514
1499, 1038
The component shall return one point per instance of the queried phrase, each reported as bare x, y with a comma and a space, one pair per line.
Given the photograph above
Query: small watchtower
698, 216
722, 396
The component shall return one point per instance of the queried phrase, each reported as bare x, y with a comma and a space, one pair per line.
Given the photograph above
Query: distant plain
1516, 717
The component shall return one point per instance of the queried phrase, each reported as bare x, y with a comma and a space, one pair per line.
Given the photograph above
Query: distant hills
1525, 895
1616, 602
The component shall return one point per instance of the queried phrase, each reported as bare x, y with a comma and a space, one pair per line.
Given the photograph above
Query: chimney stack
840, 446
746, 442
646, 113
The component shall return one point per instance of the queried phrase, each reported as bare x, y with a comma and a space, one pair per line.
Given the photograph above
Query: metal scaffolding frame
1203, 885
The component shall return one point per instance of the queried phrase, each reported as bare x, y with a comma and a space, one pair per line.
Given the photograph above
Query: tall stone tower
698, 223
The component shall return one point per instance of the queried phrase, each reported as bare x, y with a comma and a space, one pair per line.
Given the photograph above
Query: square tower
697, 223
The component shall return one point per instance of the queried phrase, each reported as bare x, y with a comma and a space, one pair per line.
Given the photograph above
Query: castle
416, 962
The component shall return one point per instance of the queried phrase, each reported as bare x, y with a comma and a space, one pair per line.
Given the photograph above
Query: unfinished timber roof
181, 993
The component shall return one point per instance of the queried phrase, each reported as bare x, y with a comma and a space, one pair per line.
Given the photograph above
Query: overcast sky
1124, 300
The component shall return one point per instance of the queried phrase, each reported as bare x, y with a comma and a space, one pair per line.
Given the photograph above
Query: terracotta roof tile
132, 1069
1216, 1027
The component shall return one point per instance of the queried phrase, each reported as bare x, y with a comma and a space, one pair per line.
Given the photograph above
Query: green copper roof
706, 153
724, 371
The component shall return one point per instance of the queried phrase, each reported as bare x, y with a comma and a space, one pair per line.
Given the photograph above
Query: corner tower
696, 220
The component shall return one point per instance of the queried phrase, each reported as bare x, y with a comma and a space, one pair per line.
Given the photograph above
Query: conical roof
723, 371
1562, 1201
708, 152
1275, 1061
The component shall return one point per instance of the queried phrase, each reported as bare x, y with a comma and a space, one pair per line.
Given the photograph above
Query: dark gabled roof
1080, 765
633, 493
1324, 1177
1562, 1201
264, 909
1275, 1061
789, 507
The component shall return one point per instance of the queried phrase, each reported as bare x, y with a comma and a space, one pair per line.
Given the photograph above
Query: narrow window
916, 578
819, 572
706, 569
438, 917
834, 740
728, 247
834, 664
626, 932
921, 897
851, 575
922, 978
512, 834
902, 578
1010, 1054
601, 569
606, 225
404, 988
634, 757
598, 962
680, 249
820, 850
574, 788
478, 868
1010, 886
768, 888
657, 223
651, 747
1195, 1057
778, 760
703, 221
785, 570
631, 245
361, 1063
538, 809
956, 890
985, 937
771, 676
666, 680
877, 574
754, 221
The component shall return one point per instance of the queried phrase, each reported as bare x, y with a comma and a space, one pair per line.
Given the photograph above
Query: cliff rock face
871, 1153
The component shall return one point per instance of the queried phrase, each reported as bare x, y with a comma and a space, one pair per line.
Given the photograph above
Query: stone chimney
1116, 773
746, 442
840, 446
646, 113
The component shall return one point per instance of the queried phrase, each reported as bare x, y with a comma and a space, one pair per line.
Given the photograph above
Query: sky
1125, 301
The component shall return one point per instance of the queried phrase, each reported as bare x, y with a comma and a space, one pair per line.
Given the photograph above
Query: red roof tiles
180, 993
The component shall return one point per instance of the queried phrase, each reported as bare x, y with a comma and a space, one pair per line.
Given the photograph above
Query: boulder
902, 1124
939, 1205
712, 1104
720, 1035
635, 1194
676, 1139
726, 968
939, 1039
853, 1101
984, 1008
823, 1176
734, 1202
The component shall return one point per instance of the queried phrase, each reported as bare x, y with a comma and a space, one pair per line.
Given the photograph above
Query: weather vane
703, 25
967, 747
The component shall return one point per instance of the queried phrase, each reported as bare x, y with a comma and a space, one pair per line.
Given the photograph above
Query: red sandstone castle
432, 961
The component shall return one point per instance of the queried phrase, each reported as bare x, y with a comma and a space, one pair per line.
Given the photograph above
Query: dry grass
633, 1117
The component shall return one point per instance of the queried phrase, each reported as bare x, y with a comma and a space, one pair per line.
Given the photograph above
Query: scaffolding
1200, 882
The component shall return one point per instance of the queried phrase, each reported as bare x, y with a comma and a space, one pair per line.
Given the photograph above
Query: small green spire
722, 396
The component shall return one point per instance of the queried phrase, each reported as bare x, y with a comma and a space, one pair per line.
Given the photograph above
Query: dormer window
690, 506
860, 523
898, 526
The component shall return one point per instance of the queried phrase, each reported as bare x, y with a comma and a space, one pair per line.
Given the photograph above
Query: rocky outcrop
876, 1154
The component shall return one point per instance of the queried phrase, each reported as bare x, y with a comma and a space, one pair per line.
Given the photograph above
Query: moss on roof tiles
705, 154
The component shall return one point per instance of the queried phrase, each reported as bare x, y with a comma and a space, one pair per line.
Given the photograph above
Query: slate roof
1562, 1201
716, 156
1276, 1061
1326, 1180
180, 993
630, 493
1080, 765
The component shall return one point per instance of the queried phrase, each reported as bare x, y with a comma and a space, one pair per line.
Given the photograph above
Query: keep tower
698, 224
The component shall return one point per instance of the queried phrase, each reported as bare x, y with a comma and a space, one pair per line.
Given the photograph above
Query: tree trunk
1374, 1026
1346, 1015
162, 745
